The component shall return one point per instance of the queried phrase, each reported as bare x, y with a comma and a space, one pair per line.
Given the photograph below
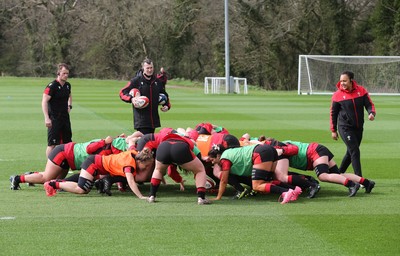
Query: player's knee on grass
85, 184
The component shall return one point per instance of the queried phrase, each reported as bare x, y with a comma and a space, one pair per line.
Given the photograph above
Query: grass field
68, 224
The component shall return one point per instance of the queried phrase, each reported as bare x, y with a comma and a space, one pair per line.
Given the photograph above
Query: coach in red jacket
347, 116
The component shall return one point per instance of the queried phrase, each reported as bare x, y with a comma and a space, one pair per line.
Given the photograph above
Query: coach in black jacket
347, 113
147, 119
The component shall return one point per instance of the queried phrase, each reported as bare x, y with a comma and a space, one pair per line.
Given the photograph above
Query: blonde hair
61, 66
144, 155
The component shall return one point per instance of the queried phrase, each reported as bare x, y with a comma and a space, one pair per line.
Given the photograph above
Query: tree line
109, 39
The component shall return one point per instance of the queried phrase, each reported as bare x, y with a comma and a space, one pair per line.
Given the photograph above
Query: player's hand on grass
182, 185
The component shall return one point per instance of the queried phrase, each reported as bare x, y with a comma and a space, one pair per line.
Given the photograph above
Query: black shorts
94, 165
264, 153
60, 131
174, 152
324, 151
58, 157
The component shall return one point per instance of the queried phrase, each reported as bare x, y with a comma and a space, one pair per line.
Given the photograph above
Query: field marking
7, 218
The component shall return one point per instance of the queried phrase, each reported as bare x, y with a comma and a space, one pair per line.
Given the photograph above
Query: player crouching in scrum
135, 167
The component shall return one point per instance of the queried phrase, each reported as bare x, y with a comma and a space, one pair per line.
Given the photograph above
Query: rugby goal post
217, 85
319, 74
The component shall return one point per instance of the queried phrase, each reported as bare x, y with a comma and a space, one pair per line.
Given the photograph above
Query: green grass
68, 224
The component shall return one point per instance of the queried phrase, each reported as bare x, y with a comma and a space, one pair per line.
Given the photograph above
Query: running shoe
201, 201
14, 182
99, 185
353, 189
50, 191
370, 186
286, 196
296, 192
151, 199
313, 190
107, 185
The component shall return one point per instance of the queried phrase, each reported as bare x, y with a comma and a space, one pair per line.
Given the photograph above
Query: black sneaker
370, 186
353, 189
107, 185
99, 185
313, 190
15, 182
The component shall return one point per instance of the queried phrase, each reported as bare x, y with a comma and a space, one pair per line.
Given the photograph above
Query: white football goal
217, 85
319, 74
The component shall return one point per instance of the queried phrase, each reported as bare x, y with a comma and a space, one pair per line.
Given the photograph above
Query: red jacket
347, 108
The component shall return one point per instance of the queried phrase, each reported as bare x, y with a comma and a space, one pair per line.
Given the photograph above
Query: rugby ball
140, 102
210, 184
134, 92
162, 99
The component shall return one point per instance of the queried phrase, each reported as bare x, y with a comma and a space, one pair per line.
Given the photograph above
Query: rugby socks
201, 192
282, 184
364, 182
271, 188
154, 184
348, 183
300, 180
20, 178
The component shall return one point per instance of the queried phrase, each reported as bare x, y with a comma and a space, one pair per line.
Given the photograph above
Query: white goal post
217, 85
319, 74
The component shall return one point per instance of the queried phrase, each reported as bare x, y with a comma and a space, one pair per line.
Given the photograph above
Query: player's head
62, 67
62, 72
349, 74
148, 67
346, 80
215, 152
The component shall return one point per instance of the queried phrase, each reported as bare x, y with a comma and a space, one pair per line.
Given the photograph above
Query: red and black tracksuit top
347, 108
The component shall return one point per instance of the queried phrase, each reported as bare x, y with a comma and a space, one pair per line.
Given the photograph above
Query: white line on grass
7, 218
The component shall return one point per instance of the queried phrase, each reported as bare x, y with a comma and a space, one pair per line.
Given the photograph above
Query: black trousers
352, 138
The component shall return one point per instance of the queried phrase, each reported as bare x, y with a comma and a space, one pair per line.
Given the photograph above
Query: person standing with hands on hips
56, 105
146, 118
347, 117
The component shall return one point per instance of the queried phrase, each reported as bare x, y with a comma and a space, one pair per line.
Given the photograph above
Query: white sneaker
201, 201
151, 199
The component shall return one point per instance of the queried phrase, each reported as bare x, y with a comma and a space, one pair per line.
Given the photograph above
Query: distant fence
217, 85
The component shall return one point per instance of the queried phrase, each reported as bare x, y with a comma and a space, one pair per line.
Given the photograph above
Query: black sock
153, 189
277, 189
350, 183
299, 180
366, 182
17, 179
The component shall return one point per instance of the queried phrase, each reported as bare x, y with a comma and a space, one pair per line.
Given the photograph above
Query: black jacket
147, 117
